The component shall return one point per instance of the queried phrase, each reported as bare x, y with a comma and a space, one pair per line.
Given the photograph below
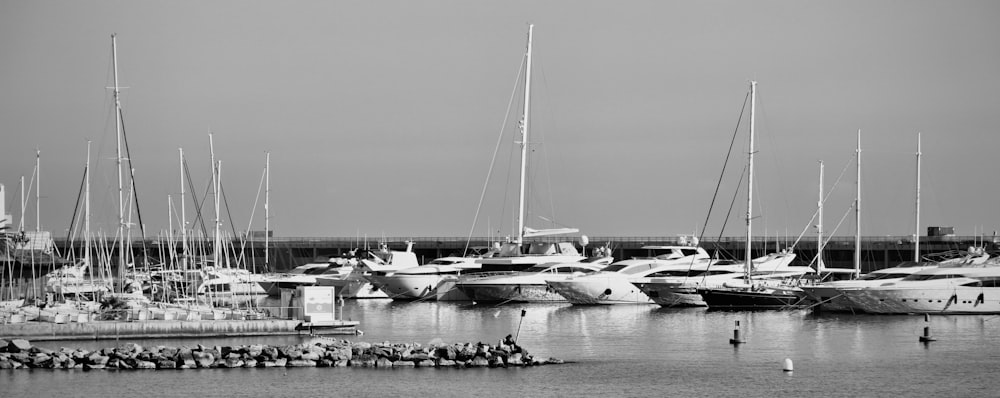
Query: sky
382, 117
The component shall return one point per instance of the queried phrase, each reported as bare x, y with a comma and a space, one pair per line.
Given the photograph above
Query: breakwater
21, 354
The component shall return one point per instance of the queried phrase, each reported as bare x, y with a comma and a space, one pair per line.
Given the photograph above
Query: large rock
250, 363
281, 362
98, 359
203, 359
185, 357
310, 356
478, 361
497, 362
442, 362
18, 345
130, 348
364, 361
140, 364
515, 359
383, 362
341, 363
6, 364
402, 363
301, 363
426, 363
41, 361
234, 362
166, 364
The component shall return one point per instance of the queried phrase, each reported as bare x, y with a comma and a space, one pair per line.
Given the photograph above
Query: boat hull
600, 291
945, 301
742, 300
514, 293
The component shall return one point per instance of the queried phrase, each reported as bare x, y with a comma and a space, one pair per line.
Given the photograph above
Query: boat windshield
919, 277
537, 268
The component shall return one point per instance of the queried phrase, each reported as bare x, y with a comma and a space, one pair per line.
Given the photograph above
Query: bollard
736, 340
927, 338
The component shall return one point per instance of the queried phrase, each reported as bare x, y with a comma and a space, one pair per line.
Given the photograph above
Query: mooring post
927, 338
736, 340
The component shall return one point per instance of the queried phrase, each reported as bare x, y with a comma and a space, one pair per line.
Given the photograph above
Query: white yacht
306, 274
427, 281
612, 285
528, 286
830, 295
963, 289
355, 284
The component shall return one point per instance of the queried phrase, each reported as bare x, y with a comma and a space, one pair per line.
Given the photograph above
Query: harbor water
624, 350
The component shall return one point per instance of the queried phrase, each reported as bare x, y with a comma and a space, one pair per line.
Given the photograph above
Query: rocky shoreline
322, 352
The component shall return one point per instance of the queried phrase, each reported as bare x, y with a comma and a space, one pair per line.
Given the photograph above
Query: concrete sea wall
322, 352
156, 329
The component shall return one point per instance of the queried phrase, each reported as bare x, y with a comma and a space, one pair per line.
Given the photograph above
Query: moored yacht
964, 289
612, 285
427, 281
527, 286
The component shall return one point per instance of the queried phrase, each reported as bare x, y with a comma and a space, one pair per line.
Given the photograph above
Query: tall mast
819, 225
916, 226
118, 158
215, 191
184, 249
86, 212
38, 192
524, 137
267, 209
20, 224
857, 213
753, 109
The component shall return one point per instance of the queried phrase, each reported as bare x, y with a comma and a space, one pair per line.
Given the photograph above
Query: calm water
616, 351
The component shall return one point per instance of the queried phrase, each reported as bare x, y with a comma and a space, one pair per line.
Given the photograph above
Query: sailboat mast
184, 249
118, 158
753, 109
524, 138
215, 191
38, 192
857, 213
267, 209
819, 225
86, 211
916, 224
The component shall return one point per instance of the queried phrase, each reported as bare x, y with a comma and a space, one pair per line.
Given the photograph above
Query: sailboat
760, 287
516, 254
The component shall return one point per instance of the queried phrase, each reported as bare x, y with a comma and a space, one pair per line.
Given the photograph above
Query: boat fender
952, 300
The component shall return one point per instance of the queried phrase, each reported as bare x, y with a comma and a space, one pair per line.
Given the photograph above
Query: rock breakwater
21, 354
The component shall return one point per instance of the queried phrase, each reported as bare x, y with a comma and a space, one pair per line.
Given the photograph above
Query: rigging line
228, 212
256, 200
830, 236
718, 185
825, 197
545, 153
493, 160
764, 120
722, 173
76, 210
131, 174
197, 206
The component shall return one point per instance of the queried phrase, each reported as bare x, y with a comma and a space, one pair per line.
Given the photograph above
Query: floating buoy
927, 338
787, 367
736, 340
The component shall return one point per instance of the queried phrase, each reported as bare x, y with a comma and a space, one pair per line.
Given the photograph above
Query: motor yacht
612, 285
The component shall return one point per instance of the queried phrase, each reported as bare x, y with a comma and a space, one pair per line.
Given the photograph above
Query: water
640, 350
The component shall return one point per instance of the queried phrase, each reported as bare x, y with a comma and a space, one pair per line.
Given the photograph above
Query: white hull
943, 300
600, 290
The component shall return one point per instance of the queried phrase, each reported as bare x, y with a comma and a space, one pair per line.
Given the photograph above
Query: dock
105, 330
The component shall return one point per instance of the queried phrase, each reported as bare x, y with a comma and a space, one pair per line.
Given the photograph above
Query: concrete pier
99, 330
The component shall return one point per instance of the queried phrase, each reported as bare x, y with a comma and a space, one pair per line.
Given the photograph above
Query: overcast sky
381, 117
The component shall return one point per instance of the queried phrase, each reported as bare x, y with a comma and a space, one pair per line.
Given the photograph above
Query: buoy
788, 365
736, 340
926, 338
